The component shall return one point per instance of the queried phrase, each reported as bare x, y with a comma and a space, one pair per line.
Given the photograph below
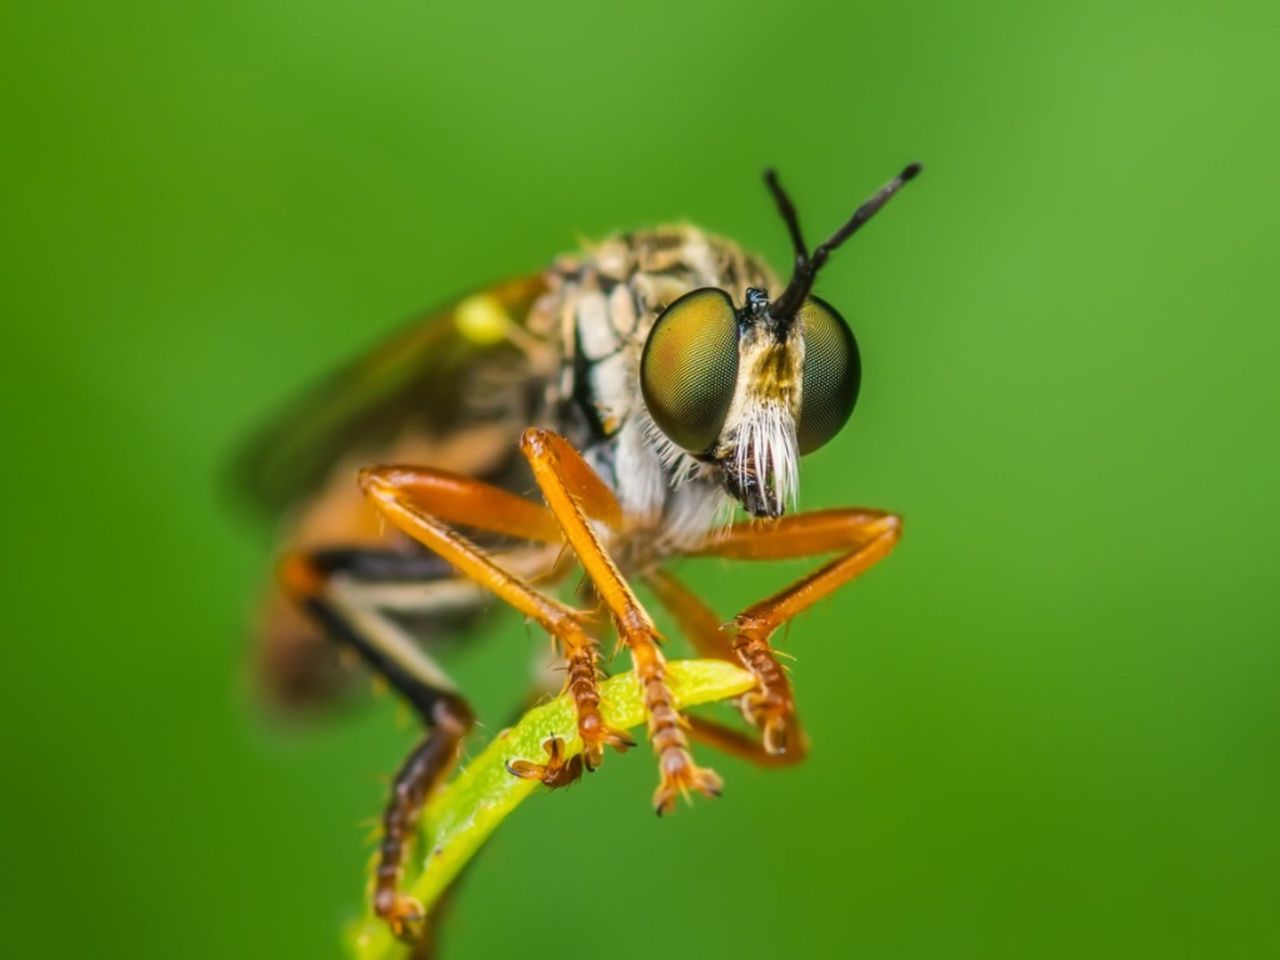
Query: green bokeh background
1047, 727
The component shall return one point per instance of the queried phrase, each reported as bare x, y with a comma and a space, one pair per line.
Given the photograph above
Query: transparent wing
414, 381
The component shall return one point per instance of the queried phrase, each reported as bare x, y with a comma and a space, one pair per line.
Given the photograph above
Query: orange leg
419, 501
696, 620
416, 500
745, 746
556, 772
704, 629
573, 491
865, 536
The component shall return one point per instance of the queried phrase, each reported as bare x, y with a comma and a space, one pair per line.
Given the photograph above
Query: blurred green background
1047, 727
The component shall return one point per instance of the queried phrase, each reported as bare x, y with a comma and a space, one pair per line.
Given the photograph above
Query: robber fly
645, 387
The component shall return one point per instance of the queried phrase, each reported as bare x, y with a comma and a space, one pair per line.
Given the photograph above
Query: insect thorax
600, 307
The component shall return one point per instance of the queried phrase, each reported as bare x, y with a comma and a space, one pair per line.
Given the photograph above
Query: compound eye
689, 368
832, 374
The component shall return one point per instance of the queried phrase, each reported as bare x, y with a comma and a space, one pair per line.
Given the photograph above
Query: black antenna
788, 211
785, 306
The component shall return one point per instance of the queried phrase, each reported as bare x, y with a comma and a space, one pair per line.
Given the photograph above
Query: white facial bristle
767, 439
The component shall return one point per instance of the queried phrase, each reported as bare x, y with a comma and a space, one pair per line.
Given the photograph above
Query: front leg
573, 491
865, 536
706, 632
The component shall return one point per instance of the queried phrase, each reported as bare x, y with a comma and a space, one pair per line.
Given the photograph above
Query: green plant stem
462, 815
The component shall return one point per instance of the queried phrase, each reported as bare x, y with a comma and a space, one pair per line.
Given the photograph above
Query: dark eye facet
689, 368
832, 374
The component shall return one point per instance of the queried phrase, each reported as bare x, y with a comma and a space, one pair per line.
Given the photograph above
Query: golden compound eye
832, 374
690, 368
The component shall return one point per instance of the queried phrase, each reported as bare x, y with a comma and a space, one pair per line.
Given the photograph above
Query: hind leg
331, 594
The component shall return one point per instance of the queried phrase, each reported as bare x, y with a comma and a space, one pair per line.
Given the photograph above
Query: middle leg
419, 501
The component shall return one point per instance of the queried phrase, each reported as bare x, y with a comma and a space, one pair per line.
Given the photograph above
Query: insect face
749, 389
748, 392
